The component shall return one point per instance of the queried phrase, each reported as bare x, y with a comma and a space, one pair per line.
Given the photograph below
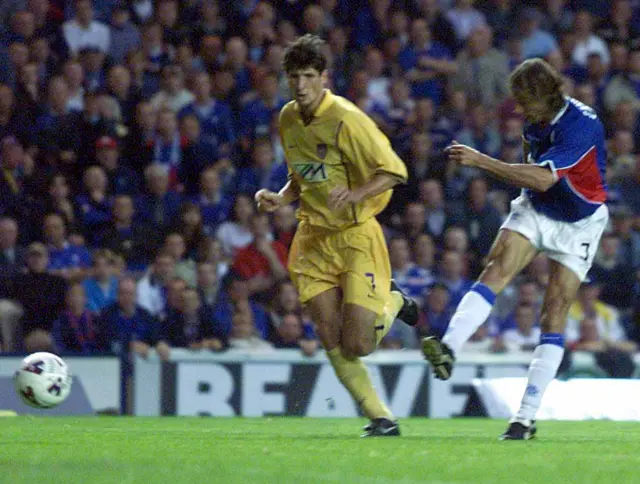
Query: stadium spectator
629, 249
190, 327
13, 121
175, 245
215, 205
12, 254
133, 241
234, 299
152, 288
191, 227
75, 331
536, 42
262, 263
237, 62
207, 283
83, 31
244, 335
235, 233
293, 333
121, 178
216, 121
482, 70
436, 311
159, 206
623, 86
41, 296
587, 42
126, 326
101, 287
73, 74
617, 278
425, 63
412, 279
437, 212
255, 118
173, 95
125, 36
465, 18
211, 251
94, 203
414, 223
65, 258
424, 252
263, 172
450, 273
526, 334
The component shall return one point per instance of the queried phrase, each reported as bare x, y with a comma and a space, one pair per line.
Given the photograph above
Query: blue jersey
573, 147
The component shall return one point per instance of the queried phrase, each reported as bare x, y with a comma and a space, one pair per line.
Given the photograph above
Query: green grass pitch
289, 450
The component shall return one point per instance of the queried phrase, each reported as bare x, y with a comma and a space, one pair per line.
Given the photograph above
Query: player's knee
496, 275
356, 348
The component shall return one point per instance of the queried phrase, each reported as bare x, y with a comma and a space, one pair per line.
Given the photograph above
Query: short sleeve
567, 152
368, 148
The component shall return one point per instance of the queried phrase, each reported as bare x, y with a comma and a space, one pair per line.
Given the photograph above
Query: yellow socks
355, 377
388, 316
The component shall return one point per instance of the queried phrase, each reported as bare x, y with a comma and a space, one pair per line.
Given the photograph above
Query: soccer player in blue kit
561, 212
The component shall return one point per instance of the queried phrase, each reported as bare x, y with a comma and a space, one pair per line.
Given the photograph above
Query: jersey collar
327, 100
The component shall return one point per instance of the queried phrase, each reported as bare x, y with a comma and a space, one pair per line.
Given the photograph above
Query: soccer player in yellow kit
341, 169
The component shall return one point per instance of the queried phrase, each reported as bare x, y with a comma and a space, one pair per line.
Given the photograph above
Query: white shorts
573, 244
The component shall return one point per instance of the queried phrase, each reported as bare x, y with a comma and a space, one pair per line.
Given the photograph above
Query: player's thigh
312, 266
358, 335
511, 252
366, 280
561, 292
326, 312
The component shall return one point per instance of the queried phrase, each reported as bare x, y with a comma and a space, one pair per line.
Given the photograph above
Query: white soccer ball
43, 380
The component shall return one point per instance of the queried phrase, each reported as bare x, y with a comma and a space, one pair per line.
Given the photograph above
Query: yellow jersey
339, 146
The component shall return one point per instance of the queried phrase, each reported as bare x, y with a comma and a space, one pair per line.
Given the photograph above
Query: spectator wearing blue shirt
124, 326
75, 330
426, 64
413, 280
94, 204
216, 120
369, 24
450, 272
256, 116
236, 59
159, 207
292, 333
234, 297
101, 287
65, 259
124, 34
215, 205
535, 41
263, 172
437, 311
121, 88
394, 118
122, 180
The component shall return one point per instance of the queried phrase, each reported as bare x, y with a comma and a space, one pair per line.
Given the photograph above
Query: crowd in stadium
133, 136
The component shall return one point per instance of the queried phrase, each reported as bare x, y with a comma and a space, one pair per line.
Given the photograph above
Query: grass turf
287, 450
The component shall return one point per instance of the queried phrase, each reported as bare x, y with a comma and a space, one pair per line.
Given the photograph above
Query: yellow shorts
355, 260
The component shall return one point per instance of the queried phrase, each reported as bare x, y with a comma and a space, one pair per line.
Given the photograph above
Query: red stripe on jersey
584, 178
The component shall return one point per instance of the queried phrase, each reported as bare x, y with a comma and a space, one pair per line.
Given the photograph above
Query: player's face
306, 86
534, 112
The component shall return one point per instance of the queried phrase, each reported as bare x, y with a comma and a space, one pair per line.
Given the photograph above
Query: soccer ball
43, 380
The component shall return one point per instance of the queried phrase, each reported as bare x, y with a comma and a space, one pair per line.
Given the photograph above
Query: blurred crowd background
133, 136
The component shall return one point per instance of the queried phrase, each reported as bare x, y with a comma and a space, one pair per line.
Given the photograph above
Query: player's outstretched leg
561, 291
510, 253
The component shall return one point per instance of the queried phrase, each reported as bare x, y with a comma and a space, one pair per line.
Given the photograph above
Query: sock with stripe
542, 370
386, 319
472, 312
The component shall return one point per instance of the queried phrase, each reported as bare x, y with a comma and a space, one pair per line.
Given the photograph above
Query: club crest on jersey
311, 172
321, 150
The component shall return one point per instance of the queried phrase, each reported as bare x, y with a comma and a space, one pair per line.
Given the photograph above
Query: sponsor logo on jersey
311, 172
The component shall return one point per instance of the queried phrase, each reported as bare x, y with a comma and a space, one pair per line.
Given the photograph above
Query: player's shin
385, 320
542, 370
355, 377
472, 312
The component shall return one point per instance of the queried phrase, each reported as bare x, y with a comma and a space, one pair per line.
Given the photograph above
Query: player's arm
366, 147
269, 201
535, 177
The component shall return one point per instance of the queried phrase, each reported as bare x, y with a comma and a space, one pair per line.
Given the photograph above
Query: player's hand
268, 201
340, 197
463, 154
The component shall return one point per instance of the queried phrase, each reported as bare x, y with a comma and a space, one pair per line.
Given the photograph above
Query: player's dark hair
304, 53
536, 82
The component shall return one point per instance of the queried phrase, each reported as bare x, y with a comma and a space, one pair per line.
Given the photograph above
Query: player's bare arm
535, 177
269, 201
380, 183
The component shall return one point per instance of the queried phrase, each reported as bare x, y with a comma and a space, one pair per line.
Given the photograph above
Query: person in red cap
122, 179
